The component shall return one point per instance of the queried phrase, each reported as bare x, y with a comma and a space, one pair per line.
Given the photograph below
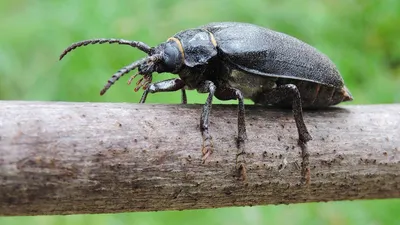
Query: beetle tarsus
305, 164
206, 87
242, 172
207, 149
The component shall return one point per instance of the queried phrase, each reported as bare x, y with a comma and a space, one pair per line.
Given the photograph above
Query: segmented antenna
136, 44
126, 69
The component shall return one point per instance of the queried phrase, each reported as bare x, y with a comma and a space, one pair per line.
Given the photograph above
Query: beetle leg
163, 86
206, 87
183, 98
290, 90
230, 93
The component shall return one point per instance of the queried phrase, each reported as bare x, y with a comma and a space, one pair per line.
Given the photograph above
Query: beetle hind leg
286, 93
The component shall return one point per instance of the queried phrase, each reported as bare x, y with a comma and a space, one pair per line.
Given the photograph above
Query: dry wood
67, 158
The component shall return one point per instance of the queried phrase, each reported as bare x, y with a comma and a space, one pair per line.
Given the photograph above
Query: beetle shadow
336, 109
255, 109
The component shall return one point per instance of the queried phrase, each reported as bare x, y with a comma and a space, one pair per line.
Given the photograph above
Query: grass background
360, 36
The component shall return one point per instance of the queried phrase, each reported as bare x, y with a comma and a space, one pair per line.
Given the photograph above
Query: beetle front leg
164, 86
290, 90
206, 87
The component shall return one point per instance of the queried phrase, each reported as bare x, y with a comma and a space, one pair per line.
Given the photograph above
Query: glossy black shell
265, 52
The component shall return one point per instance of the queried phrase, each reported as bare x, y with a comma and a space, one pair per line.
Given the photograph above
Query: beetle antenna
136, 44
126, 69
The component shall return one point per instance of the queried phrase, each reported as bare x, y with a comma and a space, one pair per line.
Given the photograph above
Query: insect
237, 61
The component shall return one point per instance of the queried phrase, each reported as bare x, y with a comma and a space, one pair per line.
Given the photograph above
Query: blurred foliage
360, 36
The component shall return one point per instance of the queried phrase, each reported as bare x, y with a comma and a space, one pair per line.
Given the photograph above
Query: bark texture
67, 158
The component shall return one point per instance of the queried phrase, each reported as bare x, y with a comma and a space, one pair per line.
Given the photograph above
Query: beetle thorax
192, 76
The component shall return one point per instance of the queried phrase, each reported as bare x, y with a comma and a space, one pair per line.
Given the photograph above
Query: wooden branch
67, 158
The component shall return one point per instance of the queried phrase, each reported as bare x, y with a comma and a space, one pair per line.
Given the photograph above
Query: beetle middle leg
230, 93
206, 87
165, 86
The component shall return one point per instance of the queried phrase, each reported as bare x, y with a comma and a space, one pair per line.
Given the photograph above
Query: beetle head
171, 57
167, 57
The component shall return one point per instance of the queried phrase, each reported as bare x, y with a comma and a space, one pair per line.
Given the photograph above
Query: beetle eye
172, 58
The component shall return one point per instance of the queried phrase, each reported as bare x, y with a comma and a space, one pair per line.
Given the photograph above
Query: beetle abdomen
313, 95
250, 84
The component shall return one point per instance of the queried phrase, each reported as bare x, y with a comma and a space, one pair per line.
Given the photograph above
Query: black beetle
231, 60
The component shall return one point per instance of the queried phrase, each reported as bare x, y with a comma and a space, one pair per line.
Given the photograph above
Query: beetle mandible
231, 60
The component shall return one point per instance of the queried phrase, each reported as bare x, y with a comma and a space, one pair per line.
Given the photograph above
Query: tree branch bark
67, 158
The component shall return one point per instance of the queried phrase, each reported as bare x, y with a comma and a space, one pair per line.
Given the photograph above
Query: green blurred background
360, 36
